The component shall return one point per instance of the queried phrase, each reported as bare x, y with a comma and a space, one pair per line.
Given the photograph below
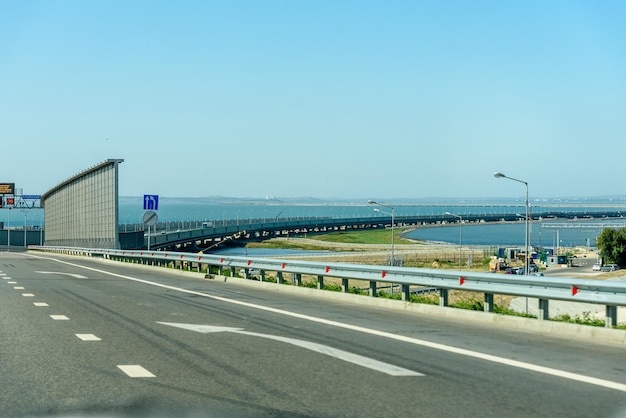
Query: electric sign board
7, 188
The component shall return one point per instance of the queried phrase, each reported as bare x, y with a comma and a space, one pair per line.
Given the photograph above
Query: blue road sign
31, 197
150, 202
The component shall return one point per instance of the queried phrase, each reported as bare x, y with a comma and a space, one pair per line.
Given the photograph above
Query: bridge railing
611, 294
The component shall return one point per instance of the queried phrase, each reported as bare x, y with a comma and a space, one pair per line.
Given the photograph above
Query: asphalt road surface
82, 337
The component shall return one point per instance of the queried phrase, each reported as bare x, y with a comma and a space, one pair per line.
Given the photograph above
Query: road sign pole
150, 219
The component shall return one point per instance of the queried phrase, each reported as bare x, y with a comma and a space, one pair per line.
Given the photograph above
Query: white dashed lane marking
18, 287
88, 337
40, 304
59, 317
134, 370
28, 295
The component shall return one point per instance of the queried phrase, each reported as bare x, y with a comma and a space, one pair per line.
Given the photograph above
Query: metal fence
607, 293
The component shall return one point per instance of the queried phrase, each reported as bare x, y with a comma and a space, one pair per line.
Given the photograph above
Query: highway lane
112, 337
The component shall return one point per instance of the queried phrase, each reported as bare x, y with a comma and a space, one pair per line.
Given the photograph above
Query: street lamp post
371, 202
460, 234
9, 229
25, 245
500, 175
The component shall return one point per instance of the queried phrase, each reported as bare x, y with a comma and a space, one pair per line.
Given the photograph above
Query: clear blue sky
326, 99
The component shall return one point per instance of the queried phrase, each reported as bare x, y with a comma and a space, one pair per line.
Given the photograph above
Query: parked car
610, 267
596, 267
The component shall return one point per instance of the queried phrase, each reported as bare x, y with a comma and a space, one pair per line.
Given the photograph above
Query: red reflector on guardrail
574, 290
461, 280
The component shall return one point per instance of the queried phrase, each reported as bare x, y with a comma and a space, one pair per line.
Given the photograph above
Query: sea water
184, 213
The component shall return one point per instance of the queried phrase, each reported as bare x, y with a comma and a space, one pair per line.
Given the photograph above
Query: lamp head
498, 175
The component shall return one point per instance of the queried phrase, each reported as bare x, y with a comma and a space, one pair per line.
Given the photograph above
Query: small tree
612, 245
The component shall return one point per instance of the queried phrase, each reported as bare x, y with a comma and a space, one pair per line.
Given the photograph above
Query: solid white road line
88, 337
59, 317
410, 340
134, 370
362, 361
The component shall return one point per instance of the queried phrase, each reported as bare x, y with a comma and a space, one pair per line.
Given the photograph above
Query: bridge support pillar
488, 305
320, 282
406, 292
443, 297
544, 309
345, 285
373, 291
611, 316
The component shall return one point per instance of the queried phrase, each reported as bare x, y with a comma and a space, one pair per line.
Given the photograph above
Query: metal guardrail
609, 293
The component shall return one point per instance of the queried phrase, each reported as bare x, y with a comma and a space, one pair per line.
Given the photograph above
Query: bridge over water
208, 236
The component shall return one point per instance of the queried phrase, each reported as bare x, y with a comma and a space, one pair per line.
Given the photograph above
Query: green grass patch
427, 299
585, 319
287, 245
370, 236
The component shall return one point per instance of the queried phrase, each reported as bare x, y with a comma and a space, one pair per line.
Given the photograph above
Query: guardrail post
233, 272
279, 277
406, 292
344, 285
320, 282
373, 292
544, 311
611, 316
488, 305
297, 279
443, 297
262, 275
